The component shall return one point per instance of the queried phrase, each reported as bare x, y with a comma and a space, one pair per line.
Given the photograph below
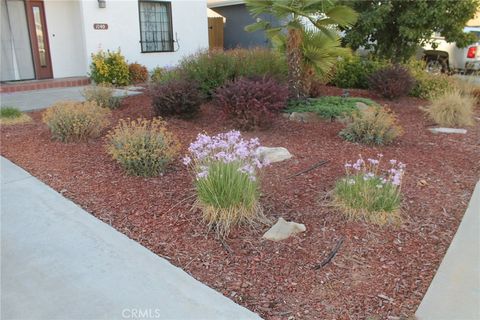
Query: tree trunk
294, 61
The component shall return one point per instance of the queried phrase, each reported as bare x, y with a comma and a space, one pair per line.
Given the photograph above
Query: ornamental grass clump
11, 115
226, 180
452, 109
76, 121
369, 194
142, 147
376, 126
103, 94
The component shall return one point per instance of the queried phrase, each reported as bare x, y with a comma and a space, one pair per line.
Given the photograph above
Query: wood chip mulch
377, 272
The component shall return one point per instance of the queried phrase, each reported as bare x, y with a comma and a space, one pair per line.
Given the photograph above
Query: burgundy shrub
178, 97
392, 82
251, 103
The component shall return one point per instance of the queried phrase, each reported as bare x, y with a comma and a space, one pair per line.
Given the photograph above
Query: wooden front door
215, 32
39, 39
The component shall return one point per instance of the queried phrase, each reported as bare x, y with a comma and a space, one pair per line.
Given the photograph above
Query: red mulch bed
378, 271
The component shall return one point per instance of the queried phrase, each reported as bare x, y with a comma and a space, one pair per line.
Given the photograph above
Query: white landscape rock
448, 130
283, 229
274, 154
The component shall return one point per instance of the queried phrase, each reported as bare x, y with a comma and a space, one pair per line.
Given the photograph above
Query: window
156, 33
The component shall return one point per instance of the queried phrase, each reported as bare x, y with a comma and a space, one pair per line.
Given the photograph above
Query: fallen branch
316, 165
330, 256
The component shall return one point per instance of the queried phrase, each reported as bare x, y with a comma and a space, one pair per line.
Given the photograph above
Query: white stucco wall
66, 37
189, 21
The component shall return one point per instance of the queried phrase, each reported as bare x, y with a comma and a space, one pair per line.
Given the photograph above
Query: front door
39, 39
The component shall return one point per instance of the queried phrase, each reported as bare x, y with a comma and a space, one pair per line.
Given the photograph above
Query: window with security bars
156, 34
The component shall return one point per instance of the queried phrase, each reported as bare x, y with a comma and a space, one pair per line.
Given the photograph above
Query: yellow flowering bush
142, 147
110, 67
76, 121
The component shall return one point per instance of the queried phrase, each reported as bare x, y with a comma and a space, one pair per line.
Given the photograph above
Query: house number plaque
100, 26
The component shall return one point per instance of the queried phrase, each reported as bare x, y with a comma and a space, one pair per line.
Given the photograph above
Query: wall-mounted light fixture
102, 3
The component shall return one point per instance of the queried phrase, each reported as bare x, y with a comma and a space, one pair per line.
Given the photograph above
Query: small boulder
448, 130
361, 106
283, 230
302, 116
272, 155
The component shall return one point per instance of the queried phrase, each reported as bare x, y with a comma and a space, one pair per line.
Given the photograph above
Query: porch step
16, 86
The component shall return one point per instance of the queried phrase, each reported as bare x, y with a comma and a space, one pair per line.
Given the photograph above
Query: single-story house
44, 39
237, 17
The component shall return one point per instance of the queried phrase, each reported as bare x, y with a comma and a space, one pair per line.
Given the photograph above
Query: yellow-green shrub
110, 67
103, 95
76, 121
427, 85
452, 109
142, 147
375, 125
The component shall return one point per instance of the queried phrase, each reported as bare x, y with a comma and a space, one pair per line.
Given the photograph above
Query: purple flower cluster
370, 169
226, 148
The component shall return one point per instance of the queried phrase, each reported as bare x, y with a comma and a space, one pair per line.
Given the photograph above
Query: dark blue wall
235, 36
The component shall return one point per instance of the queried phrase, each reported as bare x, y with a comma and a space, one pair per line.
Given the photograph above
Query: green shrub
109, 67
138, 73
209, 69
367, 193
354, 72
427, 85
103, 95
76, 121
10, 112
162, 75
375, 125
212, 69
328, 107
11, 115
143, 147
452, 109
226, 180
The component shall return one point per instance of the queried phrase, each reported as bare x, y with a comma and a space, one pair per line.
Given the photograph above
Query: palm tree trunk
294, 61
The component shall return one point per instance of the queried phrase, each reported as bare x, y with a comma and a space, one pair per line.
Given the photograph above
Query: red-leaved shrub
138, 73
177, 97
392, 82
251, 103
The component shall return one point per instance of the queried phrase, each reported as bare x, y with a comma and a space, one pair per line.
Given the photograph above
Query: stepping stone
272, 155
283, 230
448, 130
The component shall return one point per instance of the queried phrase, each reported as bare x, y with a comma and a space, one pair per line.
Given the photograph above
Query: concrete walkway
60, 262
41, 99
454, 293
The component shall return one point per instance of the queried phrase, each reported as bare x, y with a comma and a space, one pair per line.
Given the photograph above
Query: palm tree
306, 48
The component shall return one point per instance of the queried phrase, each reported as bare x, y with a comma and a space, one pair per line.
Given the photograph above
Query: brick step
9, 87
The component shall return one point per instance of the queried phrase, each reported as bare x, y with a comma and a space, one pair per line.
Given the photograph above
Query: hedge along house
45, 39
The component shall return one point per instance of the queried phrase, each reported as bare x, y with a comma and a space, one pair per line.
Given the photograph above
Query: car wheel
435, 66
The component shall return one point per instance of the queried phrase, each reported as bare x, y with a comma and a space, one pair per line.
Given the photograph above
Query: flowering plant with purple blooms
369, 193
226, 179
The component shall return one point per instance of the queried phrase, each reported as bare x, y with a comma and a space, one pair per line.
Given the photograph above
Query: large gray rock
448, 130
283, 229
274, 154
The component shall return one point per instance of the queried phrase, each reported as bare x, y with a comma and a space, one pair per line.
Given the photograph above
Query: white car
447, 57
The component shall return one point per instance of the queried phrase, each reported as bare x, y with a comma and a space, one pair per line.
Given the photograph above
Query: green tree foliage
324, 16
395, 28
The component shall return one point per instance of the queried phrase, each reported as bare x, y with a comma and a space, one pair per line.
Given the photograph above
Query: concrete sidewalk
60, 262
41, 99
454, 293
